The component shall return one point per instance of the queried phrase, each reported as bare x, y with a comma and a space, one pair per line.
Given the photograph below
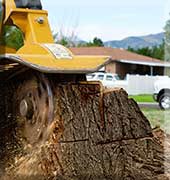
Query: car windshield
117, 77
109, 78
100, 77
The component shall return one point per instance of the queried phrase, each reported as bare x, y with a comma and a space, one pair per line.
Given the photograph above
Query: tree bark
98, 135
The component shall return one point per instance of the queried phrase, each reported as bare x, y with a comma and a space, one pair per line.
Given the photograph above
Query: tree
97, 42
12, 37
154, 52
66, 36
159, 51
167, 40
64, 40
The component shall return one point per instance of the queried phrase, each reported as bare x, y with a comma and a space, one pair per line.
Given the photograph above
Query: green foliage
143, 98
167, 40
157, 117
97, 42
12, 37
70, 40
64, 41
157, 52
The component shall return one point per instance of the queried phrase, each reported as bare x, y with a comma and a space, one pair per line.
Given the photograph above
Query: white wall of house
137, 84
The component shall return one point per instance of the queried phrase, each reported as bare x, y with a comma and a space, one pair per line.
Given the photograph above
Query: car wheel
164, 101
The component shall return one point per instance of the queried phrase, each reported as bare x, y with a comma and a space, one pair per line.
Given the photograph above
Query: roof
120, 55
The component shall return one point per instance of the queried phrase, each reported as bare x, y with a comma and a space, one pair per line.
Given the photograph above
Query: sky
107, 19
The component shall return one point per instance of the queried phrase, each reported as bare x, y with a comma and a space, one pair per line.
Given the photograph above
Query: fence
137, 84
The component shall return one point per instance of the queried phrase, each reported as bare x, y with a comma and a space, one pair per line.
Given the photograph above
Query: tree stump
99, 135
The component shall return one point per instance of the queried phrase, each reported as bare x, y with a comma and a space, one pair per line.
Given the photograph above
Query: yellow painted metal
9, 6
36, 55
35, 27
27, 21
81, 64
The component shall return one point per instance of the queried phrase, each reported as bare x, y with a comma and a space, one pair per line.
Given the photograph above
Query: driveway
149, 105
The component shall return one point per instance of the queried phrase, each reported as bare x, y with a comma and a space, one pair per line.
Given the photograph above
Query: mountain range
137, 41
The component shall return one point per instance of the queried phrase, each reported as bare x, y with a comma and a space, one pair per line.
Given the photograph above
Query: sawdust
79, 145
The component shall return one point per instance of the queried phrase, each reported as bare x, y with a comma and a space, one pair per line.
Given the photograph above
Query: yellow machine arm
39, 50
32, 71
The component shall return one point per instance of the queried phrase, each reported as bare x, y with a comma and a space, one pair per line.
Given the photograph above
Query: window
90, 76
109, 78
100, 77
117, 77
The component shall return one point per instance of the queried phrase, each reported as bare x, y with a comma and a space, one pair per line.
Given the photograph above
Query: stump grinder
31, 64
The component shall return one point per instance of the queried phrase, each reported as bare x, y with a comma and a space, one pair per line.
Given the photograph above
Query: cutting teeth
33, 101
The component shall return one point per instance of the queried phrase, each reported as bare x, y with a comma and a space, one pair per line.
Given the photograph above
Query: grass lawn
143, 98
158, 118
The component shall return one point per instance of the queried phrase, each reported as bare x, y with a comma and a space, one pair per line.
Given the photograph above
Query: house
124, 62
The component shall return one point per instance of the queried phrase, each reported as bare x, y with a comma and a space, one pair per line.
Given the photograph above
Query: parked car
162, 93
108, 80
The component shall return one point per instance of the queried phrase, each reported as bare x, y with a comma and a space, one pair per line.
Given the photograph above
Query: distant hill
137, 42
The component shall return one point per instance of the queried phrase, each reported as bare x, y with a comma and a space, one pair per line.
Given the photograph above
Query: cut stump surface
98, 135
